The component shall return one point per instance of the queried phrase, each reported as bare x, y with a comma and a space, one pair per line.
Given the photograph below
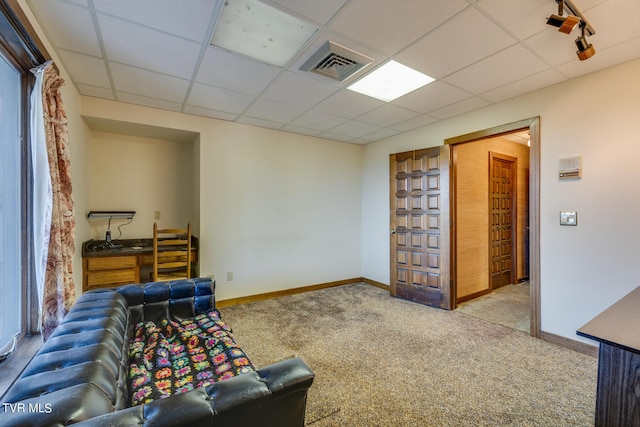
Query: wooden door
420, 224
502, 219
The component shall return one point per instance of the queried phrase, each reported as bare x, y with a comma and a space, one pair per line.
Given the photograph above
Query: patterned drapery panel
59, 289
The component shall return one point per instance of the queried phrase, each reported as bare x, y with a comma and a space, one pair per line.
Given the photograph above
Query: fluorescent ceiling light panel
262, 32
390, 81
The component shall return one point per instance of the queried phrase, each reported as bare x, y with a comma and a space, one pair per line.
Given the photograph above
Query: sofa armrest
274, 396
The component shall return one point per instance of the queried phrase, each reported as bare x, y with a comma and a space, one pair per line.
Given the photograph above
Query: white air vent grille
336, 62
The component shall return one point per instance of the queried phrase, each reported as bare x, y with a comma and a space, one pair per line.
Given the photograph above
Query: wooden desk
105, 267
618, 391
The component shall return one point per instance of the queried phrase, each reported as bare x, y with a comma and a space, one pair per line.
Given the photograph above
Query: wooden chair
171, 253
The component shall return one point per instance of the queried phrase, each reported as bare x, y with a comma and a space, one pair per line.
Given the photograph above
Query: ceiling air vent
335, 61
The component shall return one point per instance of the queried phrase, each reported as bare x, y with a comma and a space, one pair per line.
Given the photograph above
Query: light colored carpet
381, 361
508, 305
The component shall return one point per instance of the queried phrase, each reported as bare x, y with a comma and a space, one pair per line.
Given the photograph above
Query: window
19, 52
11, 173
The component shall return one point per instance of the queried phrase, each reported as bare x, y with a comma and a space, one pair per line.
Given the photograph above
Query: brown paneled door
420, 224
502, 219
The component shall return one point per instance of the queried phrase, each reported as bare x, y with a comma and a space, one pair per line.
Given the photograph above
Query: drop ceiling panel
86, 69
275, 111
157, 53
319, 11
507, 66
234, 72
431, 97
300, 89
348, 104
215, 98
79, 36
389, 26
387, 115
141, 82
439, 54
146, 48
528, 84
189, 22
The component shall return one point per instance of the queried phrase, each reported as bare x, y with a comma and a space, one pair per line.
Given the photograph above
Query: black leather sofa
80, 373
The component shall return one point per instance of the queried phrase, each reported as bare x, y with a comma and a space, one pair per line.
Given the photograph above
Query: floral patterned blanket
174, 357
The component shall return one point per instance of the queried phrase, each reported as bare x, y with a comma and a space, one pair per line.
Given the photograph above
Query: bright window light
261, 32
390, 81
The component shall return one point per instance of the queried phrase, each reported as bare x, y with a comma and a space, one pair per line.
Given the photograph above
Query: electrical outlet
157, 214
229, 276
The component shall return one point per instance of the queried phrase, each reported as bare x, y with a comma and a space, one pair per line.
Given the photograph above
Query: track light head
565, 24
585, 49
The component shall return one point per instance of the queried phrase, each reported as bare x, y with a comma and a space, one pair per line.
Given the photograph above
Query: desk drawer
111, 277
112, 262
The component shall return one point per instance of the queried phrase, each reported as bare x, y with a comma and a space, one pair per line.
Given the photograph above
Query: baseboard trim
285, 292
579, 346
374, 283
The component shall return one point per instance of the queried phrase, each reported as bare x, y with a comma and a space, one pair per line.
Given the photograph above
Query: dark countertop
618, 325
98, 248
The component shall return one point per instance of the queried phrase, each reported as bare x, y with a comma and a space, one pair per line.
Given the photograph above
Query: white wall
143, 175
279, 210
584, 269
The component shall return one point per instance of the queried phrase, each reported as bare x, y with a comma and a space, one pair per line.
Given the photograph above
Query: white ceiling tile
387, 115
258, 122
431, 97
80, 37
617, 54
511, 64
299, 129
614, 21
335, 137
168, 16
148, 101
238, 73
388, 26
460, 108
214, 98
97, 92
150, 49
522, 18
300, 89
199, 111
273, 110
141, 82
348, 104
317, 120
85, 69
318, 11
438, 54
552, 46
380, 134
414, 123
355, 129
528, 84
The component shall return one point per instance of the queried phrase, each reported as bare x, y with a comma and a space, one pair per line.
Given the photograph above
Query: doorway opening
495, 224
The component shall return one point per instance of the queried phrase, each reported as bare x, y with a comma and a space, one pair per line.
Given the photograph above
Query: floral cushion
174, 357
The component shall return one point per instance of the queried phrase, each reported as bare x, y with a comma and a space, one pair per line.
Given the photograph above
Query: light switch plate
568, 218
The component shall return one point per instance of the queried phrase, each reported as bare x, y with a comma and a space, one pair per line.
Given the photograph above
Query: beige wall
143, 175
472, 218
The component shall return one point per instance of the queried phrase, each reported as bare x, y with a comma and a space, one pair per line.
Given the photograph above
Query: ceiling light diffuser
390, 81
262, 32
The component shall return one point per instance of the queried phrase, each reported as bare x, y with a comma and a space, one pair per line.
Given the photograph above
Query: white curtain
43, 193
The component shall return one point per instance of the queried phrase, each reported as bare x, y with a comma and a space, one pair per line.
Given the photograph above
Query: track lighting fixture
585, 49
568, 23
565, 24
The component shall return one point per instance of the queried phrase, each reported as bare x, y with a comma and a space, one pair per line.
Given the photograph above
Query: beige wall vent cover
335, 61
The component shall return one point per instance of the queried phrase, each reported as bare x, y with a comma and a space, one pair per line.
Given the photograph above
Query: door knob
393, 231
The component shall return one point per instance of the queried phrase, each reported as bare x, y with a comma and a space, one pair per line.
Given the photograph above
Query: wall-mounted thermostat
568, 218
571, 168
